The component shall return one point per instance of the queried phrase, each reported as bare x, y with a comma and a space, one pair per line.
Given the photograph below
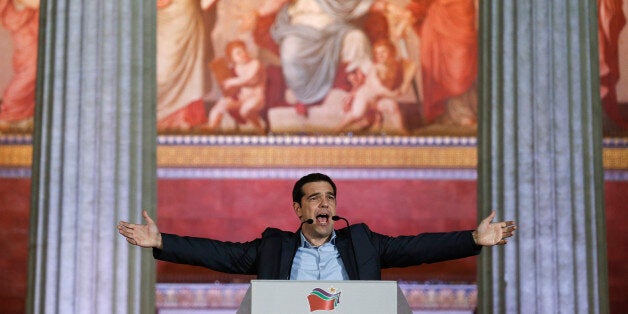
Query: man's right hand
147, 235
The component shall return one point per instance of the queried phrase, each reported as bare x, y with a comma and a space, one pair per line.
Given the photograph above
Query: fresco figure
315, 39
181, 70
374, 96
611, 21
243, 91
17, 105
449, 48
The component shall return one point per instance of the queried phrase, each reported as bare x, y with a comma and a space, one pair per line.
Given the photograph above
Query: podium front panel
293, 297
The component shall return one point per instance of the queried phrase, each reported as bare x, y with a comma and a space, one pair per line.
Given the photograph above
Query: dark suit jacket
270, 257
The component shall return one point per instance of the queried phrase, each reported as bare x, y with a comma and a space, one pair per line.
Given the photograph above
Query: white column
541, 157
94, 157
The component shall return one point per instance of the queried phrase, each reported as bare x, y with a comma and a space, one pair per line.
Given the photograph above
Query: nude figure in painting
373, 97
243, 91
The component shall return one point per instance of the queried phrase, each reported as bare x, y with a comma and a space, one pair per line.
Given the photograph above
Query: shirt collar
306, 244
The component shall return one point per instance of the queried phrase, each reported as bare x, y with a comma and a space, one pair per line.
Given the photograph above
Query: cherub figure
375, 91
243, 88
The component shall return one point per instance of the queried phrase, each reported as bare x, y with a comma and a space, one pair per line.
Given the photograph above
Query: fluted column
540, 157
94, 157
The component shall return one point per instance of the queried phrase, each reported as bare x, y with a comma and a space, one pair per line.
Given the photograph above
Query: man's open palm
147, 235
494, 233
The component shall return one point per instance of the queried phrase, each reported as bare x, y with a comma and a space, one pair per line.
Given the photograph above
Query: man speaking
316, 251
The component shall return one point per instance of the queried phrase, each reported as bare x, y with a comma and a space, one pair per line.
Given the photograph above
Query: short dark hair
297, 191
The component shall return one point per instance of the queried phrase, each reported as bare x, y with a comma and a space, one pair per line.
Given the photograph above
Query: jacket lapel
288, 250
343, 244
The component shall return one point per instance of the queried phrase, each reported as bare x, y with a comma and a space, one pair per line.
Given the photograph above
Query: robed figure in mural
181, 69
17, 106
448, 33
313, 40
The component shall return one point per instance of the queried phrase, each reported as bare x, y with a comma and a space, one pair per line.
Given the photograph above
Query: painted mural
315, 67
308, 67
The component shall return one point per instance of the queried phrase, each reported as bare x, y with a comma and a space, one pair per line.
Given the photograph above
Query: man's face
318, 203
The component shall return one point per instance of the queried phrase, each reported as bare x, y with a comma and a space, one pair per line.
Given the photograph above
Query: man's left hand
493, 233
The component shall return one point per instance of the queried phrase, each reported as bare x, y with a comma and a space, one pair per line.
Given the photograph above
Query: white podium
350, 296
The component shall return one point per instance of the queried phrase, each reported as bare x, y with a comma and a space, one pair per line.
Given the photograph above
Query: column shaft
540, 157
93, 157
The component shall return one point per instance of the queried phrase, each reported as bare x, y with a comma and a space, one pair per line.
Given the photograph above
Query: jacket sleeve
423, 248
227, 257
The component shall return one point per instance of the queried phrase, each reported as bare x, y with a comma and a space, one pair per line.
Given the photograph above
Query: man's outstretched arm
493, 233
147, 235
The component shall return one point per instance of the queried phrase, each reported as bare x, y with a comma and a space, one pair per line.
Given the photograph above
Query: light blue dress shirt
318, 263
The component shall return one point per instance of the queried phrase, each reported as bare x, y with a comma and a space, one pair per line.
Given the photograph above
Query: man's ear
297, 209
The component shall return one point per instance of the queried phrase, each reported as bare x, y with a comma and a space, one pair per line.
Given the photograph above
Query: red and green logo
320, 299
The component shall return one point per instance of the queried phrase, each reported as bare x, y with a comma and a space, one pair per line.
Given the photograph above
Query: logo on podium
320, 299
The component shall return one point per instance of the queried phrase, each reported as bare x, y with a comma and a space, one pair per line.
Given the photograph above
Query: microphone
336, 218
355, 257
307, 221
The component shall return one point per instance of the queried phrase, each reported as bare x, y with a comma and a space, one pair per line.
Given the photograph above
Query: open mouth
322, 219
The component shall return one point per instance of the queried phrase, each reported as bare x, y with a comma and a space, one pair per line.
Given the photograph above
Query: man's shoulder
277, 233
359, 227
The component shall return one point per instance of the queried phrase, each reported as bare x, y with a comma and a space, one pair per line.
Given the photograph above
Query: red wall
617, 244
193, 207
14, 208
